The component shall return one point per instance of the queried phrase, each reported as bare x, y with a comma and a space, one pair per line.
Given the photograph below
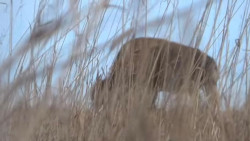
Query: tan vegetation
47, 73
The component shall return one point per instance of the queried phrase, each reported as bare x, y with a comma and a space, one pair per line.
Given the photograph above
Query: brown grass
45, 81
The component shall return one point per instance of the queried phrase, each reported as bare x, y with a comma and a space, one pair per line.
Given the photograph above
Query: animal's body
160, 65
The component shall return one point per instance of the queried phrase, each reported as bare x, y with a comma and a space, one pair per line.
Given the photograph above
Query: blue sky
24, 12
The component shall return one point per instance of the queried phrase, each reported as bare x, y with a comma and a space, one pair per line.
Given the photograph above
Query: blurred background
52, 50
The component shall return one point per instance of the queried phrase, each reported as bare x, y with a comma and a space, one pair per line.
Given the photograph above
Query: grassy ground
45, 80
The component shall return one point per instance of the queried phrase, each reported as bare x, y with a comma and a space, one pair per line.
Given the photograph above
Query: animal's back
156, 60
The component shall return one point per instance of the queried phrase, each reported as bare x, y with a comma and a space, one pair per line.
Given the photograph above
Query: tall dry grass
46, 79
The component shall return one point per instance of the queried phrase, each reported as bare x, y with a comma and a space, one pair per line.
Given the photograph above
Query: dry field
55, 84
